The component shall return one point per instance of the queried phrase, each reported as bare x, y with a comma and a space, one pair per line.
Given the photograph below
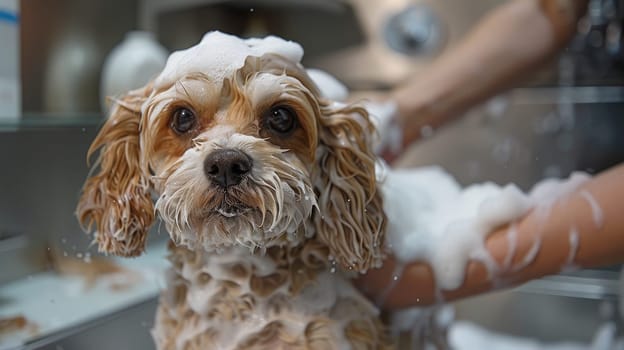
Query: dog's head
236, 143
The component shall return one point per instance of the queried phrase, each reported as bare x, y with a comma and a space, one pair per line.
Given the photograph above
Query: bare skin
512, 41
601, 242
507, 45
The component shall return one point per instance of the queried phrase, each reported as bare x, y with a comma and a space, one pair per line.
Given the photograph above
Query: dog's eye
183, 120
281, 120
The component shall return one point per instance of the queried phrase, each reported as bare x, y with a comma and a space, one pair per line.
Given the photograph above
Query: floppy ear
116, 200
352, 222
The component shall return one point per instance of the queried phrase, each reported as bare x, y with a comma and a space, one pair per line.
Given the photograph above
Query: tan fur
116, 200
352, 221
232, 303
311, 204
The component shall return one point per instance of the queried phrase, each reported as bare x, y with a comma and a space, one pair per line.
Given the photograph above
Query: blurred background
69, 55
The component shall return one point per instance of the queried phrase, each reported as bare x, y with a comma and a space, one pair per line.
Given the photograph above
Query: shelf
48, 121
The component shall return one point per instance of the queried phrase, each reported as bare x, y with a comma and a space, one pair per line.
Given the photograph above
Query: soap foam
432, 219
512, 242
383, 114
530, 255
329, 86
596, 210
219, 55
573, 239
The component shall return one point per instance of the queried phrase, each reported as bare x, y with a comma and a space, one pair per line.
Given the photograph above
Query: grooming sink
548, 128
78, 308
569, 308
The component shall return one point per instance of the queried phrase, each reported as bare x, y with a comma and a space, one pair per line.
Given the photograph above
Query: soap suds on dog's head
219, 55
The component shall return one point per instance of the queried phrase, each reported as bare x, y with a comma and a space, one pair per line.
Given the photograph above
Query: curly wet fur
116, 202
275, 309
256, 251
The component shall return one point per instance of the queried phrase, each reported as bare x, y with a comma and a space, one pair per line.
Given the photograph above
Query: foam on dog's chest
226, 302
219, 55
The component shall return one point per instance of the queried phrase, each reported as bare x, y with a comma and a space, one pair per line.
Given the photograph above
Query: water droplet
426, 131
503, 151
496, 107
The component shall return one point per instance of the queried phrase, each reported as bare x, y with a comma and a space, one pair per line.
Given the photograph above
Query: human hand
581, 229
398, 128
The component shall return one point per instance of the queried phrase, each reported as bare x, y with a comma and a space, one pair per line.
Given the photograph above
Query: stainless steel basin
128, 329
554, 309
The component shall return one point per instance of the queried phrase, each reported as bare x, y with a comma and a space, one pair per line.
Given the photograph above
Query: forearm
509, 42
594, 212
599, 234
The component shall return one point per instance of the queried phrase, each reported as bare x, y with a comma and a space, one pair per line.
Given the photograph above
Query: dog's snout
227, 167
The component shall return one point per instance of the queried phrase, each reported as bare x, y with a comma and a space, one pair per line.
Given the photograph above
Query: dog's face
253, 156
233, 163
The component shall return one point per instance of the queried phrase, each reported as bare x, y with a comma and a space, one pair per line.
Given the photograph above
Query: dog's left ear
351, 222
116, 200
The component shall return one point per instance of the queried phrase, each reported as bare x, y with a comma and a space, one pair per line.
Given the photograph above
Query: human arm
510, 42
600, 243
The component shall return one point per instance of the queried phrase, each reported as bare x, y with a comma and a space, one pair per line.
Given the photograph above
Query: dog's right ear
115, 200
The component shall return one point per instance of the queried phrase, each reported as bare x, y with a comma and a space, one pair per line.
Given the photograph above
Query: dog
266, 188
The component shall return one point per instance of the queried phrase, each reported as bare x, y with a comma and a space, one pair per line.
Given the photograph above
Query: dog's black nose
227, 167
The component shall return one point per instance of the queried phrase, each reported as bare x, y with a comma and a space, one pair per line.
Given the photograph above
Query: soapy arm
510, 42
584, 230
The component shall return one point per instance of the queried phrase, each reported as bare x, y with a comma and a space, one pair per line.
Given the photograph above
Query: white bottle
130, 65
10, 87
